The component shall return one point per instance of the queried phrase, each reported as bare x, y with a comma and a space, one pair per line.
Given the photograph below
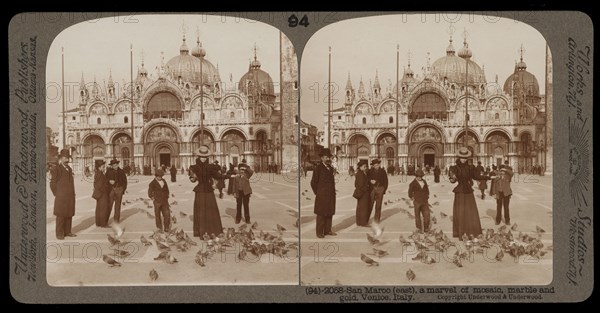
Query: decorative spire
450, 49
255, 64
465, 52
348, 83
361, 86
521, 66
376, 83
198, 50
183, 49
82, 83
110, 79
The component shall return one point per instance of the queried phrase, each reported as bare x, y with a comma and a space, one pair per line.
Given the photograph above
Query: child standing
418, 191
242, 192
158, 191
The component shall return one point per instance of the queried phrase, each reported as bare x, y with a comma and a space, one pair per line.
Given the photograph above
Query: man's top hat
98, 163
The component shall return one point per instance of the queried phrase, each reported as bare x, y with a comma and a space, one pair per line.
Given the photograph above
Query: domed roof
188, 68
453, 67
524, 82
256, 76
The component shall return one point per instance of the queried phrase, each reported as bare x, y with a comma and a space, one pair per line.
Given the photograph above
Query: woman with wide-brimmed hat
465, 214
101, 193
207, 219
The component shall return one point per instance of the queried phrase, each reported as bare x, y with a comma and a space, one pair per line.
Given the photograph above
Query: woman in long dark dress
436, 174
207, 219
231, 172
465, 215
362, 188
101, 194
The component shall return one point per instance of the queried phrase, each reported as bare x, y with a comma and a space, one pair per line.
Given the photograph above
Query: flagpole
131, 104
281, 100
397, 102
329, 103
64, 141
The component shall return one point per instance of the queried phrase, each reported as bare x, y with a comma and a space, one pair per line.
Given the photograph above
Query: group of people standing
370, 186
109, 186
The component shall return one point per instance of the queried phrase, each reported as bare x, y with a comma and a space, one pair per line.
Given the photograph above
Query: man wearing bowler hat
379, 184
158, 191
117, 182
323, 185
63, 188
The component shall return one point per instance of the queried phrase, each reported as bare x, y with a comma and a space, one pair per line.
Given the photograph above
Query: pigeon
149, 215
110, 261
280, 228
113, 241
242, 254
539, 230
174, 203
420, 246
255, 225
429, 260
163, 255
173, 195
443, 215
182, 214
377, 230
434, 220
420, 256
153, 275
403, 241
389, 191
145, 241
162, 247
171, 259
308, 198
410, 275
436, 203
121, 253
502, 228
514, 227
242, 228
385, 203
434, 195
465, 238
303, 193
368, 260
499, 255
372, 240
379, 253
305, 190
118, 230
457, 262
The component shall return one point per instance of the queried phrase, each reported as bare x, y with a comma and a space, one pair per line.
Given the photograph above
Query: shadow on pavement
86, 223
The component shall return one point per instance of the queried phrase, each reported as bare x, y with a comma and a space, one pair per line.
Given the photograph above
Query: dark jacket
380, 178
323, 185
503, 184
63, 188
118, 176
417, 193
158, 193
464, 174
243, 184
361, 183
205, 173
100, 184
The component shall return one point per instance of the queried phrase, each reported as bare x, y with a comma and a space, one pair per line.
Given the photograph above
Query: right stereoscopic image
426, 152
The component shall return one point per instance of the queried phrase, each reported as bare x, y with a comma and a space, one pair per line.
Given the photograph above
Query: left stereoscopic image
171, 153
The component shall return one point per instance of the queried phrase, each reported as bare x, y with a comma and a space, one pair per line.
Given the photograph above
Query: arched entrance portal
232, 145
427, 155
161, 146
426, 147
162, 155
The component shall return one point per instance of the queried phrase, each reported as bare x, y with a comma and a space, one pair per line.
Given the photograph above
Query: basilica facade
505, 121
186, 106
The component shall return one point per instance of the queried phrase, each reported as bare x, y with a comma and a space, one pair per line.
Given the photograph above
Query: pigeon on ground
434, 220
379, 253
110, 261
308, 198
255, 225
303, 193
145, 241
368, 260
434, 195
436, 203
280, 228
499, 255
242, 254
174, 203
171, 259
502, 229
182, 214
514, 227
539, 230
121, 253
443, 215
377, 230
163, 255
429, 260
242, 228
372, 240
385, 203
113, 241
173, 195
153, 275
162, 247
410, 275
403, 241
457, 261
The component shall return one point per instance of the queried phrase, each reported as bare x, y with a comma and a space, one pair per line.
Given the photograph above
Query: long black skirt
102, 210
363, 210
466, 217
207, 219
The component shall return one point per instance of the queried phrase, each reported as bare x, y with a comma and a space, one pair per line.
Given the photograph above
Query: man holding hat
418, 191
158, 191
63, 188
117, 181
242, 192
379, 184
323, 186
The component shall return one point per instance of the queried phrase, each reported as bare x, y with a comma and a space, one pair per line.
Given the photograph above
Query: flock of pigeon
243, 239
503, 240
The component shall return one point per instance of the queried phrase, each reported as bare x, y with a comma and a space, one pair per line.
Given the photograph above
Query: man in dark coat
379, 184
158, 191
323, 185
436, 174
117, 186
173, 171
63, 188
242, 191
418, 191
503, 192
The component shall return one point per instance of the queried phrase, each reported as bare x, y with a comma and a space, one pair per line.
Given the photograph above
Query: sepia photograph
171, 153
426, 153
